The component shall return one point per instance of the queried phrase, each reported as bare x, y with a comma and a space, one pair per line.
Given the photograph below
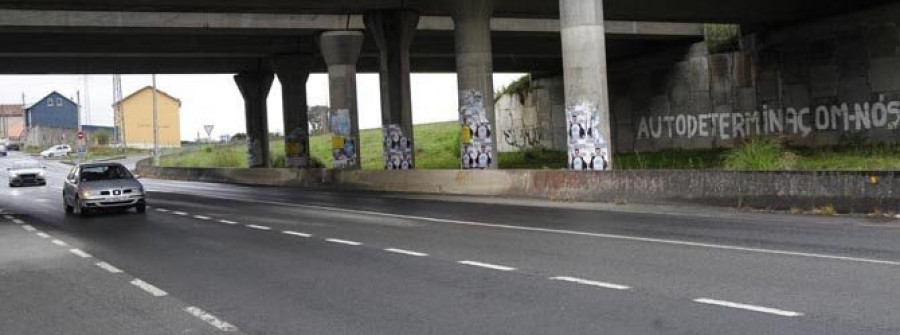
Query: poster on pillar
588, 150
397, 149
295, 148
476, 135
343, 145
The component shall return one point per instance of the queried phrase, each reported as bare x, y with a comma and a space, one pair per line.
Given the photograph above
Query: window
58, 102
50, 102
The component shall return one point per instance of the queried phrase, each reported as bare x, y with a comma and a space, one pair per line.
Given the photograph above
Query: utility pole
155, 126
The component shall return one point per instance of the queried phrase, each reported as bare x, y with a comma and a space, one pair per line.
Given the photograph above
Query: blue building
53, 111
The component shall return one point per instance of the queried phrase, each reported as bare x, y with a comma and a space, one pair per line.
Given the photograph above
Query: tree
319, 122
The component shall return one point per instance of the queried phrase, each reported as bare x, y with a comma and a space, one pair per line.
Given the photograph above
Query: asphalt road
210, 258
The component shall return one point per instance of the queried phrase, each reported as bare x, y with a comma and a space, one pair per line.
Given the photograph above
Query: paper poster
397, 149
588, 149
476, 133
343, 145
297, 154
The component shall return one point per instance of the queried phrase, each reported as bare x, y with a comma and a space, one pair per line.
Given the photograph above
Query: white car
57, 151
3, 150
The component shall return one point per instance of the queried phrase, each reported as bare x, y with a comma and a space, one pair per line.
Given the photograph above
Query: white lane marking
754, 308
340, 241
43, 235
258, 227
108, 267
211, 319
153, 290
296, 233
60, 243
180, 213
488, 265
576, 233
592, 283
18, 221
406, 252
8, 217
80, 253
162, 210
228, 222
201, 217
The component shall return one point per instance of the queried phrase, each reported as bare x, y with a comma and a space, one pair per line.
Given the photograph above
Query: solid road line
406, 252
592, 283
576, 233
488, 265
747, 307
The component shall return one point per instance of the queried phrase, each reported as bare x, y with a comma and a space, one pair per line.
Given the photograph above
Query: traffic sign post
82, 146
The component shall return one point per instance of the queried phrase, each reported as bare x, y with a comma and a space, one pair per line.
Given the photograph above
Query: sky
215, 100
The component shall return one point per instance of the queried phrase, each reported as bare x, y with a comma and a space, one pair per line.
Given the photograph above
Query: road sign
80, 135
209, 129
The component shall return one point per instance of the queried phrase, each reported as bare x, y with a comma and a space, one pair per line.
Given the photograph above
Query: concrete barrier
846, 191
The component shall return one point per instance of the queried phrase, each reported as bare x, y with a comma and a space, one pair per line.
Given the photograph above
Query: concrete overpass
260, 39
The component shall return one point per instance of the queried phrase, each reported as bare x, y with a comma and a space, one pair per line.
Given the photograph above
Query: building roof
41, 100
145, 89
12, 110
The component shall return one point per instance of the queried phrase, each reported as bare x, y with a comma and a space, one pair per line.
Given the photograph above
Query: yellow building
136, 119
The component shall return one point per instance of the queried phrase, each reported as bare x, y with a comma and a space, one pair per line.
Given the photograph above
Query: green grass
437, 147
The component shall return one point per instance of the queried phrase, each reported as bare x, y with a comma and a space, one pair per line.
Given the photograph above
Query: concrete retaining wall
846, 191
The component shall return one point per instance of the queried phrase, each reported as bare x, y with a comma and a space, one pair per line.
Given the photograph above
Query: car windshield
26, 165
105, 172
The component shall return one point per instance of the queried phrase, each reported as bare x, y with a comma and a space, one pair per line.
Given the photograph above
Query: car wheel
78, 209
69, 209
141, 209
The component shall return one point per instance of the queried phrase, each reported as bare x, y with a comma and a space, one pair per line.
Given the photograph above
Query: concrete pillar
341, 52
584, 72
474, 71
254, 87
393, 32
293, 72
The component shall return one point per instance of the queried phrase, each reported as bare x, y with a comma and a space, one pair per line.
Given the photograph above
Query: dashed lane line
180, 213
296, 233
162, 210
747, 307
211, 319
108, 267
60, 243
406, 252
147, 287
577, 233
80, 253
591, 283
202, 217
18, 221
43, 235
228, 222
258, 227
488, 266
345, 242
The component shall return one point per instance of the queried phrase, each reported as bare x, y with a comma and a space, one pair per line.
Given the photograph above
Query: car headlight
13, 175
85, 193
41, 174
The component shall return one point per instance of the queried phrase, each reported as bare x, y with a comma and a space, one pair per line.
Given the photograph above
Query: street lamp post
155, 126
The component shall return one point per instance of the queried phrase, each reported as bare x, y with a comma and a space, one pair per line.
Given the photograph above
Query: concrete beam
393, 33
293, 73
299, 23
254, 87
341, 49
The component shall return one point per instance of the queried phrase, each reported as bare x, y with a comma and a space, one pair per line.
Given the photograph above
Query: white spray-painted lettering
798, 121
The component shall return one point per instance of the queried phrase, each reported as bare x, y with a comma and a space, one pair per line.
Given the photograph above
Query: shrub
759, 155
